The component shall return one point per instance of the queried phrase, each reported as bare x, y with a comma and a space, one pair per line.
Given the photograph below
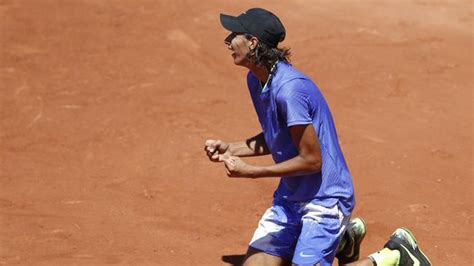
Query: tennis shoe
349, 248
410, 253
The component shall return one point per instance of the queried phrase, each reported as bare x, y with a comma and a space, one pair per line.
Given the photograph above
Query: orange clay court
105, 106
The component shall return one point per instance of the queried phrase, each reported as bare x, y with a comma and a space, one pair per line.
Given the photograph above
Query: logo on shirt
303, 255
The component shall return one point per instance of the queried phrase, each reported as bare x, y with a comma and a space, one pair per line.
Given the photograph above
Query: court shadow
235, 260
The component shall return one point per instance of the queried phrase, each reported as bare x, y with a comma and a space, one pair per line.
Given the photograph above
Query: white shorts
304, 233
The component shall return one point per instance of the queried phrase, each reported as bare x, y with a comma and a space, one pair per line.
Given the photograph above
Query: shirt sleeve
294, 103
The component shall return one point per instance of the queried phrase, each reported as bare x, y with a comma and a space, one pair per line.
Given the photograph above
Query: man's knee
257, 257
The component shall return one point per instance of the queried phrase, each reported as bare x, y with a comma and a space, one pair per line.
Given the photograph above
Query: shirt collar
270, 76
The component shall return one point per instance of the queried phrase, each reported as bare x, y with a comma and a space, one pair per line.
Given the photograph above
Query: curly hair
266, 56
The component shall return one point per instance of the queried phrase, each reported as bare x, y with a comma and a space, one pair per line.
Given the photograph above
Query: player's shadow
235, 260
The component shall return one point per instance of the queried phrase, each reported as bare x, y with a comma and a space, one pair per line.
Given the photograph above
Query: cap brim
231, 23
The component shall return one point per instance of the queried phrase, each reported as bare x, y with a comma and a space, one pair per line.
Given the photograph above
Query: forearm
293, 167
254, 146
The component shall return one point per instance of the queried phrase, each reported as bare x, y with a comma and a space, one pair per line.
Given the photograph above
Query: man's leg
401, 243
322, 230
401, 249
385, 257
363, 262
257, 257
274, 240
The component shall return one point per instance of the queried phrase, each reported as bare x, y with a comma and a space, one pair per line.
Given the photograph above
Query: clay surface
105, 106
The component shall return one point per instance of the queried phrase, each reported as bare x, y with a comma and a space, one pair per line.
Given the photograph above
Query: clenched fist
236, 167
216, 149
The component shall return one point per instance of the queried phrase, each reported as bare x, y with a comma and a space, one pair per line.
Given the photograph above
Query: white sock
385, 257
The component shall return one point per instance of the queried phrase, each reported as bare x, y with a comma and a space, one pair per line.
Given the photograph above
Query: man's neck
260, 72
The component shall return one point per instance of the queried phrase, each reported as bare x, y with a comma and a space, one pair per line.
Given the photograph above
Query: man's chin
239, 62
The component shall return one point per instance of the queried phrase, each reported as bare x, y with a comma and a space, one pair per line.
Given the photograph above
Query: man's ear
253, 43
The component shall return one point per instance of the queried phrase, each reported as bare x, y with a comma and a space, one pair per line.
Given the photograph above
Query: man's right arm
254, 146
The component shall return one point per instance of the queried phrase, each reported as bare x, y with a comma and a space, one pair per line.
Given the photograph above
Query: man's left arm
307, 161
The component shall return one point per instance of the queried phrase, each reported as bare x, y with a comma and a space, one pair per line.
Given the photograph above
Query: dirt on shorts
105, 107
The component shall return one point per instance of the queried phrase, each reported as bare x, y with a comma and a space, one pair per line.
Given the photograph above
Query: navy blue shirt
291, 98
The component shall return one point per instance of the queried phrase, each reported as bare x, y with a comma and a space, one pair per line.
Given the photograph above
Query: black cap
258, 22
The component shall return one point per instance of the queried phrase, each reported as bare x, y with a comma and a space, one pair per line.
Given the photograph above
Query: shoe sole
365, 226
356, 246
359, 241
